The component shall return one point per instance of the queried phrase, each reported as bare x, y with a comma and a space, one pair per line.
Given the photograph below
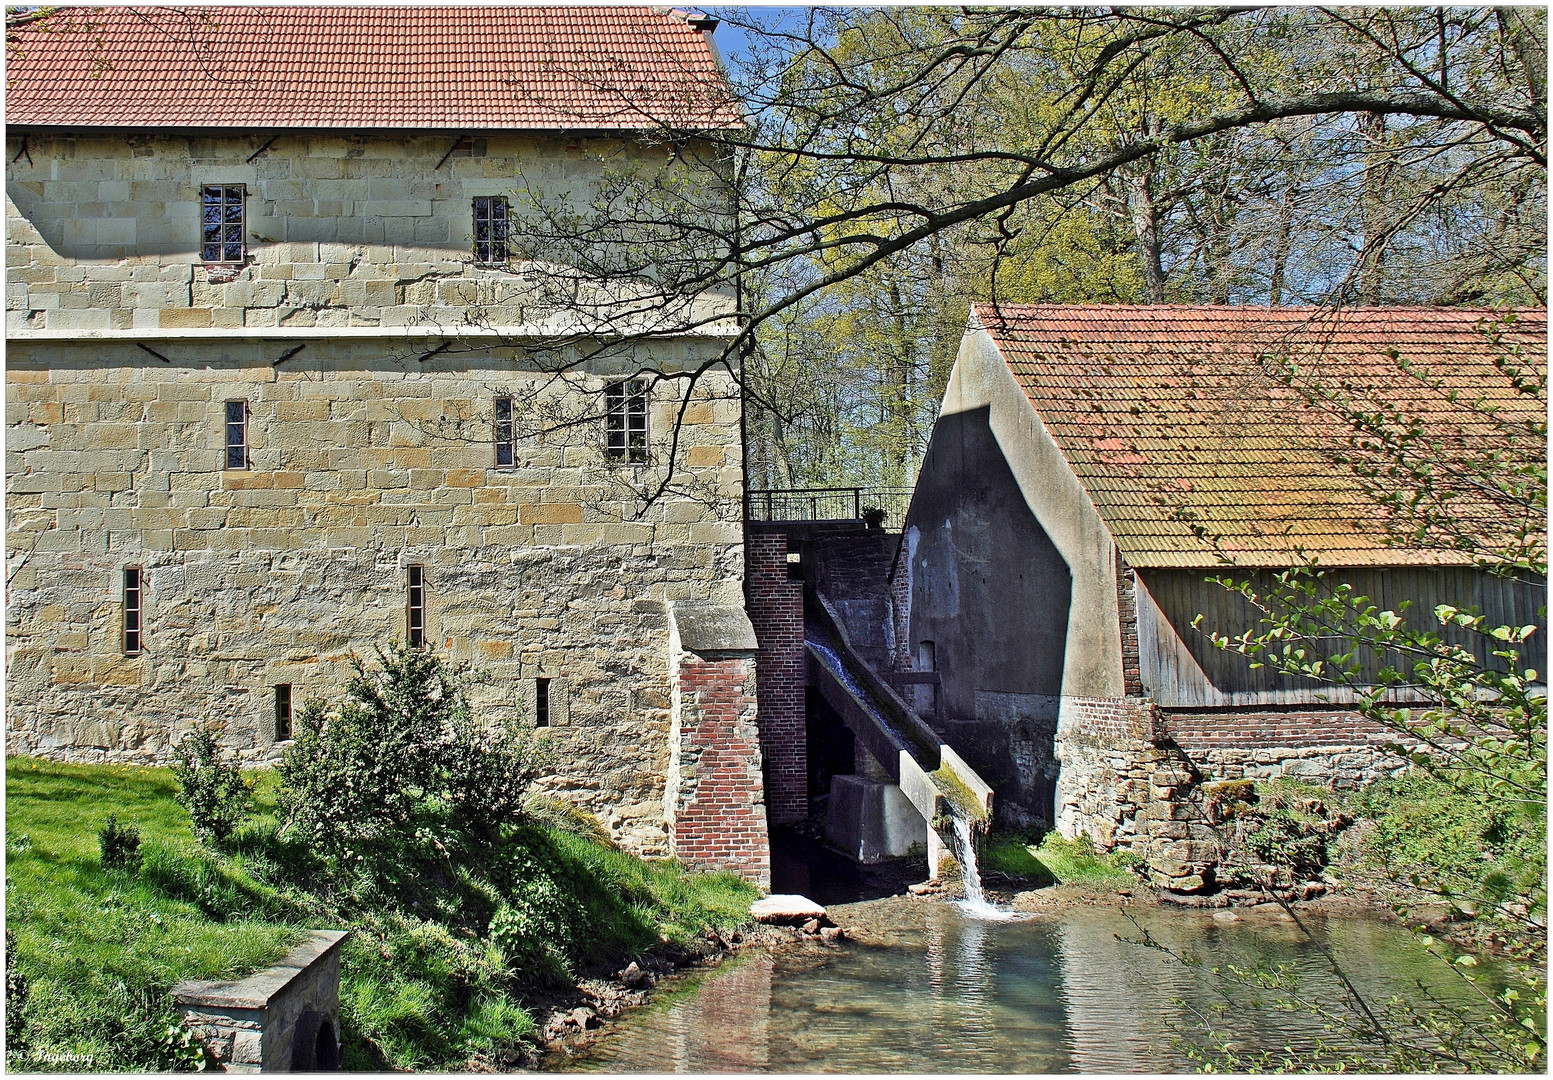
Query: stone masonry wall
285, 571
343, 230
775, 604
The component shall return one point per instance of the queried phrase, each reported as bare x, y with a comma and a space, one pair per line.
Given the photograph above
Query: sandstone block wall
364, 460
343, 230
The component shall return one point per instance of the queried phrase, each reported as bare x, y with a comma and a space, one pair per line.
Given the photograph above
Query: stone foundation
284, 1019
1133, 777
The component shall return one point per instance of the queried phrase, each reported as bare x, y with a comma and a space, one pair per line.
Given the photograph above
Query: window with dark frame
505, 433
237, 434
625, 421
490, 229
541, 702
415, 617
134, 609
222, 223
282, 712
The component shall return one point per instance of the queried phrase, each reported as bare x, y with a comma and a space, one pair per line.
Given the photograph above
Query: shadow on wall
989, 609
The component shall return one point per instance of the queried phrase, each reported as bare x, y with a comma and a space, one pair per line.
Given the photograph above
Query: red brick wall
1294, 727
1127, 608
775, 604
720, 811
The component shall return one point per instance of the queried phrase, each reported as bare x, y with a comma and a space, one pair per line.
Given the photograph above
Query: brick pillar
719, 816
1127, 609
775, 604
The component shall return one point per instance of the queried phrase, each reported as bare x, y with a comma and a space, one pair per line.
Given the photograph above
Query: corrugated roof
1175, 417
526, 68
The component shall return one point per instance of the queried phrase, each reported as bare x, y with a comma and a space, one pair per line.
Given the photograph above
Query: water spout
975, 903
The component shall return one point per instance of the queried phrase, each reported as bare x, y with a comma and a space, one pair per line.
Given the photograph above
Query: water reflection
925, 989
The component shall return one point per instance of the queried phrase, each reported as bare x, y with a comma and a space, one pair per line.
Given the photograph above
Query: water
975, 904
924, 988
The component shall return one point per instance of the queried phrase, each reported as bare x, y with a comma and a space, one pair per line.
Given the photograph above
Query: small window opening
505, 434
237, 434
625, 421
415, 621
490, 229
927, 656
282, 712
221, 236
133, 610
541, 702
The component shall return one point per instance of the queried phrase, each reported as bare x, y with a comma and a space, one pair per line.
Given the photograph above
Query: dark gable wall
992, 593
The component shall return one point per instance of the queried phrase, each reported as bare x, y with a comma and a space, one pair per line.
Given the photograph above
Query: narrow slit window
134, 609
505, 434
222, 225
282, 712
415, 621
541, 702
625, 421
237, 434
490, 229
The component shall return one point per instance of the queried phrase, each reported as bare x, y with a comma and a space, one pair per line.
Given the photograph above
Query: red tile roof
1175, 416
460, 68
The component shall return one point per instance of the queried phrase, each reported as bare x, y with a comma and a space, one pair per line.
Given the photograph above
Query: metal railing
826, 504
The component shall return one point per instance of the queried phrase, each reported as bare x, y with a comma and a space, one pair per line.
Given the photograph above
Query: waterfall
975, 902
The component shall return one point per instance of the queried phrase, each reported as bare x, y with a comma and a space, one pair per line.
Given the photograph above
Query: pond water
924, 988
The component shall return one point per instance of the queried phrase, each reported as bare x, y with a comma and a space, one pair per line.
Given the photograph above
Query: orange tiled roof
1171, 416
463, 68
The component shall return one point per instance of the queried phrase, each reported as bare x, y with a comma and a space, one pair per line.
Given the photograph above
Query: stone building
1092, 467
275, 374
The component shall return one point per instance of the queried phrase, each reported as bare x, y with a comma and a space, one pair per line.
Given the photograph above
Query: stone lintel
255, 992
709, 627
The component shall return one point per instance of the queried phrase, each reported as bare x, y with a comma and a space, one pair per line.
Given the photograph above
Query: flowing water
924, 987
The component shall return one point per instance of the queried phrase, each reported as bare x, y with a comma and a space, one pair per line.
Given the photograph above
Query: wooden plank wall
1181, 668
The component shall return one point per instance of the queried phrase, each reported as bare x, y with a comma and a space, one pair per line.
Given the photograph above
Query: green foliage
15, 1005
211, 790
118, 845
563, 815
1476, 853
402, 761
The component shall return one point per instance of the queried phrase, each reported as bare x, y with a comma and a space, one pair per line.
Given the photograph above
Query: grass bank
445, 948
1048, 859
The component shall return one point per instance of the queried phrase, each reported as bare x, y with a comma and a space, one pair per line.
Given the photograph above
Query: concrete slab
870, 821
786, 909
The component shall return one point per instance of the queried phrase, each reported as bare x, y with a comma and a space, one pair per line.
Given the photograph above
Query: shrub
15, 1005
211, 790
402, 760
119, 844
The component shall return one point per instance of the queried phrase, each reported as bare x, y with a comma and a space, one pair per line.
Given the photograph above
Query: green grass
425, 984
101, 948
1054, 860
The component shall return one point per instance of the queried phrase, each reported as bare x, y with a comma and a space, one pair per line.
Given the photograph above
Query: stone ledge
256, 991
707, 627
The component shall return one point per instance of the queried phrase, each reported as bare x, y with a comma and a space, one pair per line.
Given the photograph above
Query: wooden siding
1180, 667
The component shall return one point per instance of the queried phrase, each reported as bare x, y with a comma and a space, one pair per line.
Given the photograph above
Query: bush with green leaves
119, 844
402, 761
212, 790
15, 1006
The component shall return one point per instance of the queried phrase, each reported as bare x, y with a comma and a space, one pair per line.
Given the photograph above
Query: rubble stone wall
362, 462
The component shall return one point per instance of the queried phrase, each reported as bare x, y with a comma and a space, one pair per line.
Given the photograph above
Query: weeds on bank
1048, 859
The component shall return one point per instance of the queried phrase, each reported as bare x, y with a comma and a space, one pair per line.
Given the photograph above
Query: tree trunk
1281, 248
1145, 224
1377, 173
